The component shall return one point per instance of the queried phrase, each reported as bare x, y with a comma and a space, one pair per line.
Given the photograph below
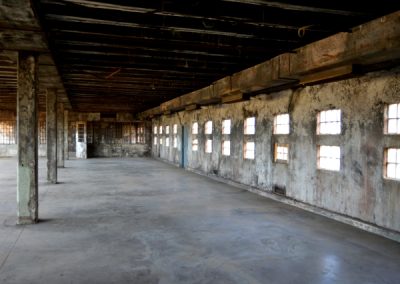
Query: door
81, 145
184, 147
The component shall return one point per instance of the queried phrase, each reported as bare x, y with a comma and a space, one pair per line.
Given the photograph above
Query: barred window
42, 132
392, 119
7, 132
329, 122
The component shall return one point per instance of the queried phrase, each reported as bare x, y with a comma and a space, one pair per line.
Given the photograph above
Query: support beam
66, 127
27, 110
51, 128
60, 135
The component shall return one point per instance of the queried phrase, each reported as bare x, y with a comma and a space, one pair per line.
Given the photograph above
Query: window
175, 128
250, 126
128, 133
175, 142
329, 122
81, 132
281, 153
155, 129
208, 127
195, 144
209, 146
140, 135
7, 132
226, 126
167, 129
226, 148
392, 163
42, 132
160, 130
167, 141
195, 128
329, 158
392, 119
282, 124
249, 149
160, 141
155, 140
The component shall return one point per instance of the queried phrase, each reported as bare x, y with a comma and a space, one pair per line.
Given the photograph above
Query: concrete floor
142, 221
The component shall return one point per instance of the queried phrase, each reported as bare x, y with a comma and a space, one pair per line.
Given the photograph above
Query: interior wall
99, 145
358, 190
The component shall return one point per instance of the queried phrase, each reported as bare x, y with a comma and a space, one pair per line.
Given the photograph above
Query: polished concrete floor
143, 221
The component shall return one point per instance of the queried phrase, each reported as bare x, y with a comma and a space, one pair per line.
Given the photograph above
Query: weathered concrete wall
118, 150
101, 148
358, 190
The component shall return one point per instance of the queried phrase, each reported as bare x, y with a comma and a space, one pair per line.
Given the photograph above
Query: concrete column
51, 128
60, 135
27, 121
66, 128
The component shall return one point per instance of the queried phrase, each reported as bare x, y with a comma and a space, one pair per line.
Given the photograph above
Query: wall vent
279, 189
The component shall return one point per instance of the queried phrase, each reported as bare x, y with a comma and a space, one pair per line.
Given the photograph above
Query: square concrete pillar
60, 135
27, 125
51, 129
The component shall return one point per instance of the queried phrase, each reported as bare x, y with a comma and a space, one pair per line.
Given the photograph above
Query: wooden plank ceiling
133, 55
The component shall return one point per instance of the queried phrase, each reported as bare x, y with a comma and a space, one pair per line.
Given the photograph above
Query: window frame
224, 127
276, 124
195, 126
319, 167
387, 118
319, 122
208, 146
224, 147
386, 164
245, 150
276, 153
246, 126
208, 127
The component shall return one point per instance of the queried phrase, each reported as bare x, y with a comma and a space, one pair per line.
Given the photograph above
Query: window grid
175, 142
226, 127
42, 132
282, 124
249, 149
7, 132
250, 126
167, 129
329, 158
175, 128
155, 130
167, 142
392, 119
161, 141
81, 132
226, 148
392, 163
329, 122
161, 130
155, 141
281, 152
